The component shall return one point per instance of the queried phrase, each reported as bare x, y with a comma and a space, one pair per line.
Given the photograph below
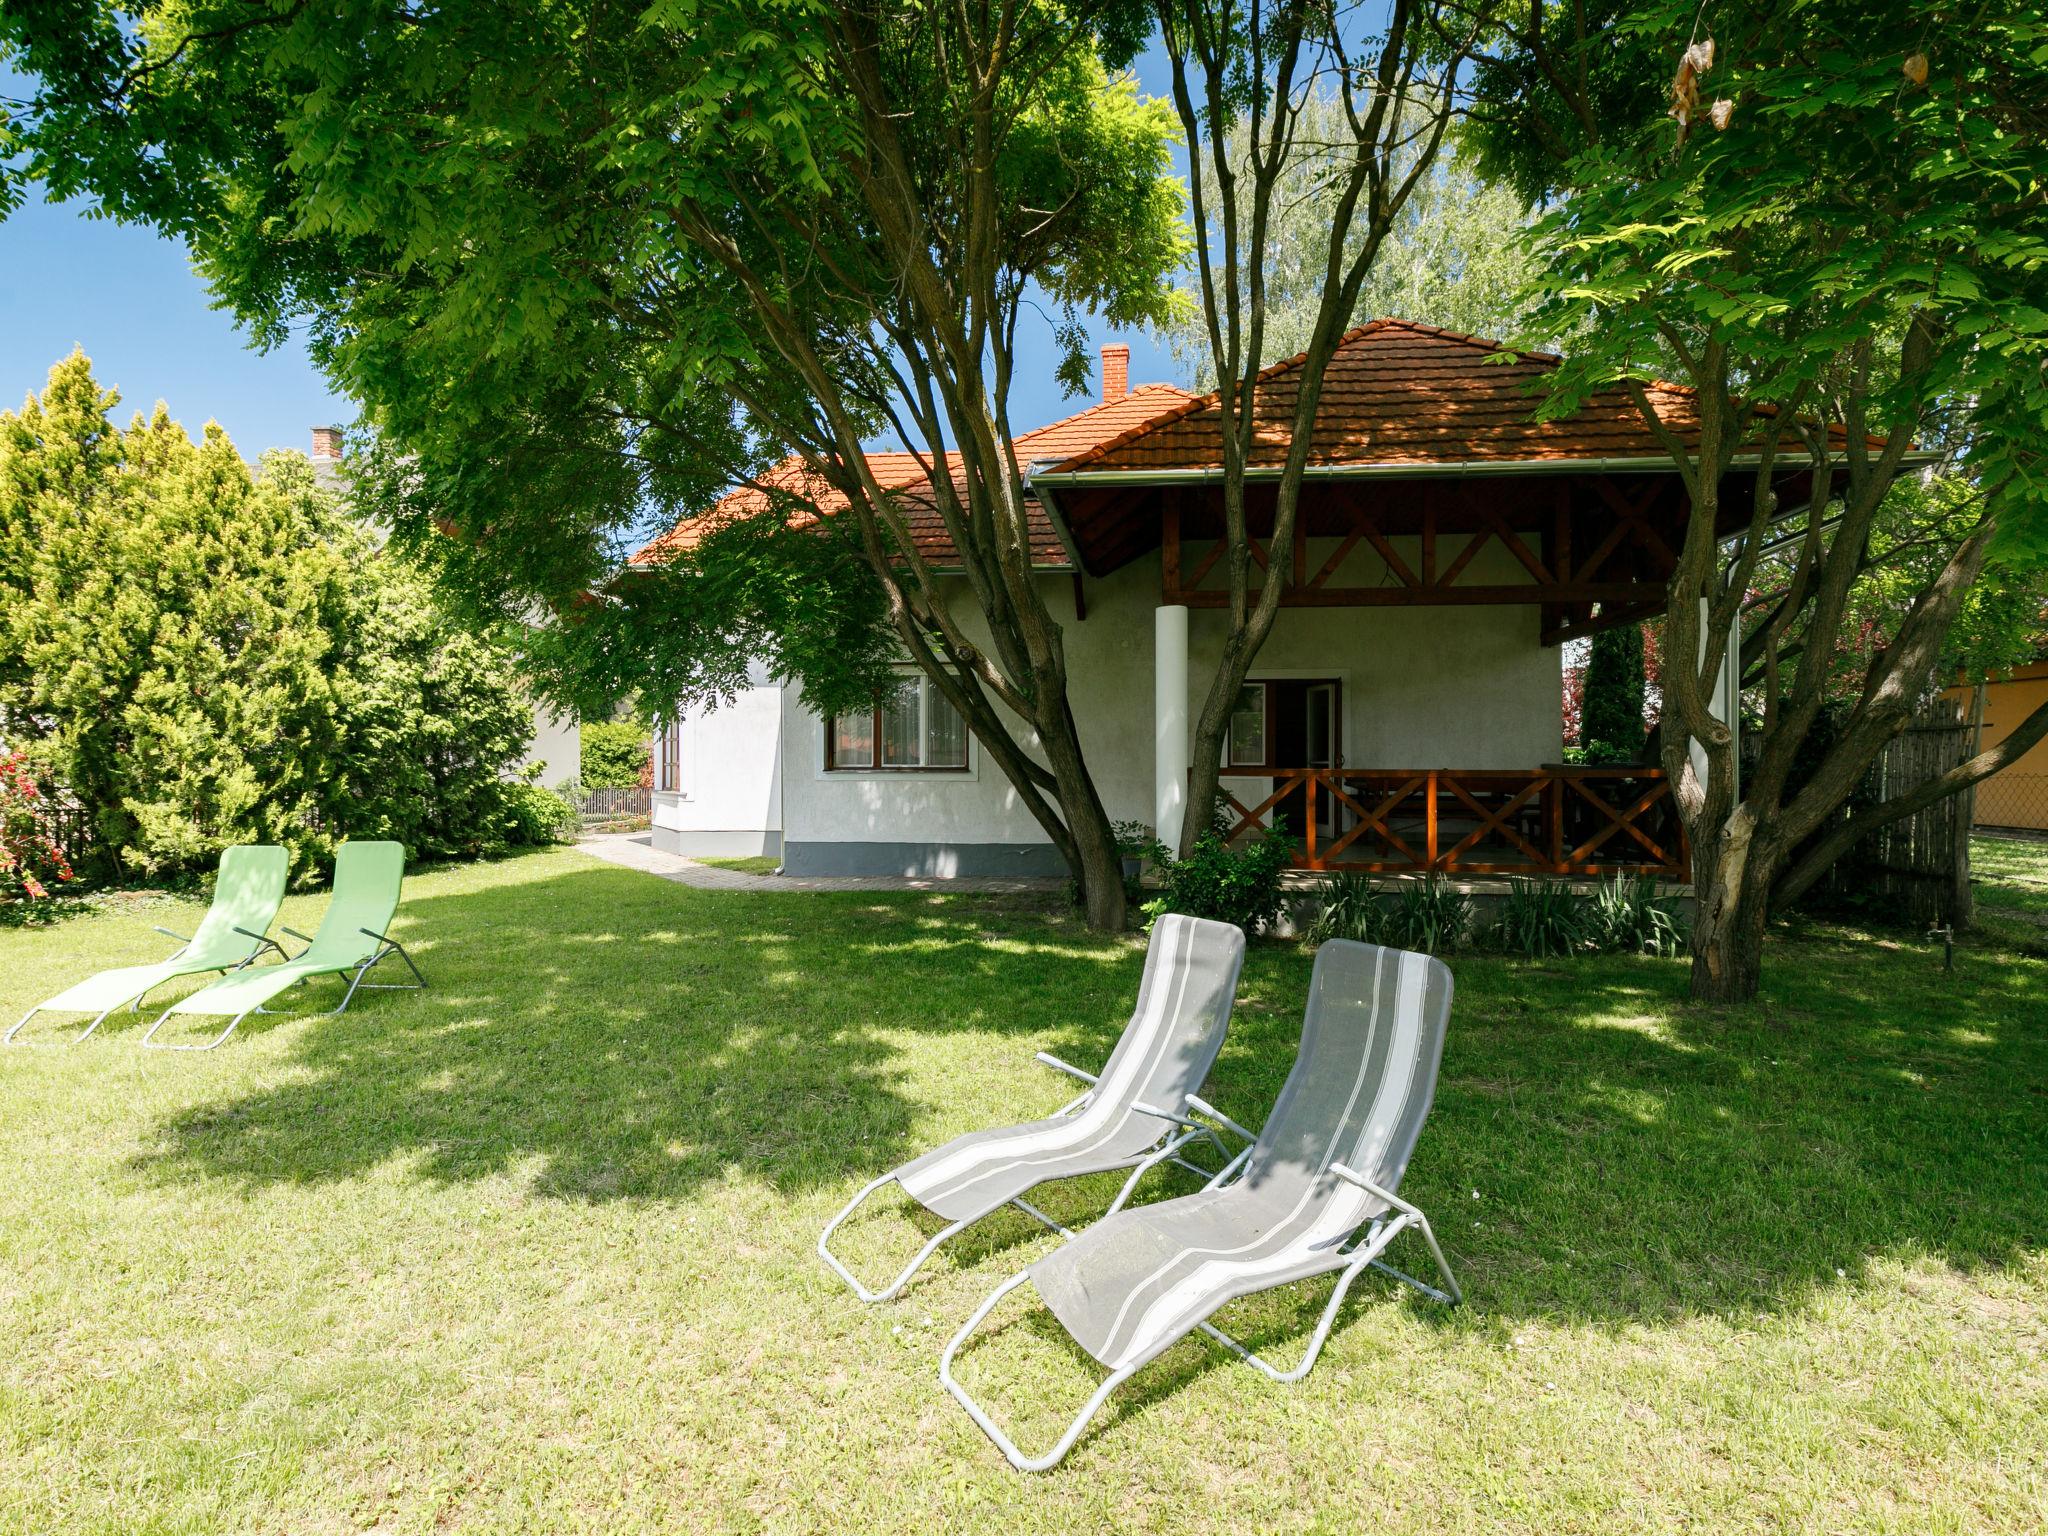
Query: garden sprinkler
1947, 934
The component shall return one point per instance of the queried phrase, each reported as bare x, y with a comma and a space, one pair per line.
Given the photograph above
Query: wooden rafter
1577, 595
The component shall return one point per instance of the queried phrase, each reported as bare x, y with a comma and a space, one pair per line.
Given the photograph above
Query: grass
533, 1251
753, 864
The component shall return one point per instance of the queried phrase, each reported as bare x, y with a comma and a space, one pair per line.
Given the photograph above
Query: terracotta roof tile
1401, 393
904, 474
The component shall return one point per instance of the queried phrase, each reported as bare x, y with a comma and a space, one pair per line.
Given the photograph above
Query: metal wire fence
2014, 800
621, 809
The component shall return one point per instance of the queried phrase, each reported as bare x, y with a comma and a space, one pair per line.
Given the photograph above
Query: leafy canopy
1841, 205
201, 656
538, 240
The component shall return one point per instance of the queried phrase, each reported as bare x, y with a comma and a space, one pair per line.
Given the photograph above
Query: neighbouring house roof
1400, 395
904, 474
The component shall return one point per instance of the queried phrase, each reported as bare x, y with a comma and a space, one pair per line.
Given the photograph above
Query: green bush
202, 657
1627, 916
535, 817
1541, 919
1354, 907
1240, 885
430, 721
614, 753
1135, 842
1430, 916
1611, 723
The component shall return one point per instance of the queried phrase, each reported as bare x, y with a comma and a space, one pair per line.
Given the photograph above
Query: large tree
1828, 219
587, 264
1281, 101
1452, 258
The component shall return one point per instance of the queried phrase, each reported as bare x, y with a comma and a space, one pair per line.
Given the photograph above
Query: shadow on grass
1600, 1150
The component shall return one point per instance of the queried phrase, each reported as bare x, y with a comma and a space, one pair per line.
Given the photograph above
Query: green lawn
754, 864
533, 1251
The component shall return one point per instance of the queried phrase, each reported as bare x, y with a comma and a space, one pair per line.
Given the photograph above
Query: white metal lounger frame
1365, 1255
386, 947
1166, 1151
135, 1003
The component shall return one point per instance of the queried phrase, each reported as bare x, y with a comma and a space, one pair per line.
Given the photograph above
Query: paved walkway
634, 850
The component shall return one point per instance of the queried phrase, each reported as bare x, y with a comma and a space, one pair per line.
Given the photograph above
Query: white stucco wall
557, 745
1422, 688
731, 799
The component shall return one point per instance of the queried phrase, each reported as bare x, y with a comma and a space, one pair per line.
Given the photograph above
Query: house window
912, 726
1247, 747
668, 757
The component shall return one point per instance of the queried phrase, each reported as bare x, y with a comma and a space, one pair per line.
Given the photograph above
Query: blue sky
132, 301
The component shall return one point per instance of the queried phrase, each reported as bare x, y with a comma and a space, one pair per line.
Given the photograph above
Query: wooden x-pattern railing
1554, 821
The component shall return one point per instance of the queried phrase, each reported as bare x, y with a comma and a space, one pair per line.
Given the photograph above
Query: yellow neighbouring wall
2017, 797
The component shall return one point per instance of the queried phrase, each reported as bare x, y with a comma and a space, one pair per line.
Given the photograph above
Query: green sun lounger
351, 940
235, 930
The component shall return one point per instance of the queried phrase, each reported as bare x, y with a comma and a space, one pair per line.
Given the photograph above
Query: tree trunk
1732, 874
1212, 726
1094, 863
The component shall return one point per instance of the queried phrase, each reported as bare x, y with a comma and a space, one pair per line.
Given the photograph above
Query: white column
1725, 703
1169, 721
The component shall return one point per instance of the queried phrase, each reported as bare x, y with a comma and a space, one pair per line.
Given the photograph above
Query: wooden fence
1917, 869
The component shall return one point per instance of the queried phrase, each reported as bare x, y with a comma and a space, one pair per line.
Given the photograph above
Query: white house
1405, 714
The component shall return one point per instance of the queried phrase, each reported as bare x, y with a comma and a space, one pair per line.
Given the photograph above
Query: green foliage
1540, 919
170, 630
1429, 915
430, 720
32, 857
1611, 729
1627, 916
1353, 907
1136, 844
1451, 259
1842, 212
530, 276
2003, 618
535, 816
203, 657
614, 753
1230, 885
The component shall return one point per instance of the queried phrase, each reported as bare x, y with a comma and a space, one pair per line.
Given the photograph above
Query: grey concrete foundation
926, 861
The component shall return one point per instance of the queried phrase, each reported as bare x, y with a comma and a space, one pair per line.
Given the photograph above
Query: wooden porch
1558, 819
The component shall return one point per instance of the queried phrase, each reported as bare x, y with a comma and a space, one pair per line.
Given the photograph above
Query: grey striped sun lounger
1135, 1115
1316, 1195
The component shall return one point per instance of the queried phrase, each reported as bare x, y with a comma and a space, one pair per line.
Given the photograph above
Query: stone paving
633, 850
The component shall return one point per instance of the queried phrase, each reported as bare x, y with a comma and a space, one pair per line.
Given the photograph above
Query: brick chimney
1116, 371
327, 442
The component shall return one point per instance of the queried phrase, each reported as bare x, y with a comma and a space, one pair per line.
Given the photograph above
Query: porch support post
1726, 704
1169, 721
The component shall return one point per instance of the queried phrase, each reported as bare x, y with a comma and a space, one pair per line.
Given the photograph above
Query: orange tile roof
1401, 393
904, 474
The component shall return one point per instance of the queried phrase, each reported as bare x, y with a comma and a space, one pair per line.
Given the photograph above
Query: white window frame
1230, 757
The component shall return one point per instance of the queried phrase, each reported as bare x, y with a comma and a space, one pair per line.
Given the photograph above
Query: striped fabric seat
1317, 1193
1134, 1116
1175, 1031
1361, 1086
